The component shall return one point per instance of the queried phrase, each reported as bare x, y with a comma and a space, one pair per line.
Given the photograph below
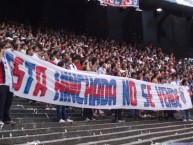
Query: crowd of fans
80, 52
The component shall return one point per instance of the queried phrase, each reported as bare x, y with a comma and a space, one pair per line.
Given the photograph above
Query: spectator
6, 96
87, 112
186, 113
39, 54
62, 111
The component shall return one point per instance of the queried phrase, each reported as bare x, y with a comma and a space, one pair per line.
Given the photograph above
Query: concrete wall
149, 27
96, 23
173, 33
123, 23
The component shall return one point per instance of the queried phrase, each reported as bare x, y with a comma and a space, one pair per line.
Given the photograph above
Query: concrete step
22, 126
37, 115
96, 132
25, 103
45, 118
20, 107
22, 111
60, 134
37, 125
22, 131
33, 115
187, 134
26, 107
32, 120
110, 138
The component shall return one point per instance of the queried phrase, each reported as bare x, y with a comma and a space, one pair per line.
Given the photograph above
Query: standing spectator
186, 113
118, 112
87, 112
155, 79
62, 111
6, 96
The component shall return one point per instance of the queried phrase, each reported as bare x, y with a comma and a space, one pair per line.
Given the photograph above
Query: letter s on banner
17, 72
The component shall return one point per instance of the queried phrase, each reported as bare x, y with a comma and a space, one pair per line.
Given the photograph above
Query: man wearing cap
6, 96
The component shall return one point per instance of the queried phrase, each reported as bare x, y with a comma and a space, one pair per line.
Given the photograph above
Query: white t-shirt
73, 67
36, 56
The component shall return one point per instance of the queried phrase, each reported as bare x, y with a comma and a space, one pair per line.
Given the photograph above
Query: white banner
120, 3
42, 81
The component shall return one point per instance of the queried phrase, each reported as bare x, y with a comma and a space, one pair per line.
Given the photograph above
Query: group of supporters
81, 52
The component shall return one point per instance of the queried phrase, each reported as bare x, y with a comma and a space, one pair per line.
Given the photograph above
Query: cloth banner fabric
42, 81
120, 3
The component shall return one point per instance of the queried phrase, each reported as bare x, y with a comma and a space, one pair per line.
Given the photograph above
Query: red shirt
78, 65
2, 74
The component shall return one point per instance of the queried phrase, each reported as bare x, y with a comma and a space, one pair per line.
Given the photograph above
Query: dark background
172, 29
80, 15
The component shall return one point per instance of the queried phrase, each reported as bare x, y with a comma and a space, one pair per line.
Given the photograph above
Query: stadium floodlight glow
138, 9
159, 10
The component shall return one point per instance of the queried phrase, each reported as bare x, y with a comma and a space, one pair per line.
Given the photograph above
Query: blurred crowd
66, 49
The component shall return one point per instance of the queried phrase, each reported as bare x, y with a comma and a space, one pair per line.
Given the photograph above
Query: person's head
162, 80
66, 56
169, 80
57, 54
102, 64
61, 64
2, 46
69, 61
114, 68
29, 52
46, 57
156, 75
184, 82
52, 57
95, 61
133, 75
124, 66
40, 52
16, 41
139, 74
76, 59
146, 74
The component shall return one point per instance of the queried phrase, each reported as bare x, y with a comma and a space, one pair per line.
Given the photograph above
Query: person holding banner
94, 68
155, 79
87, 112
62, 111
186, 113
118, 112
6, 96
